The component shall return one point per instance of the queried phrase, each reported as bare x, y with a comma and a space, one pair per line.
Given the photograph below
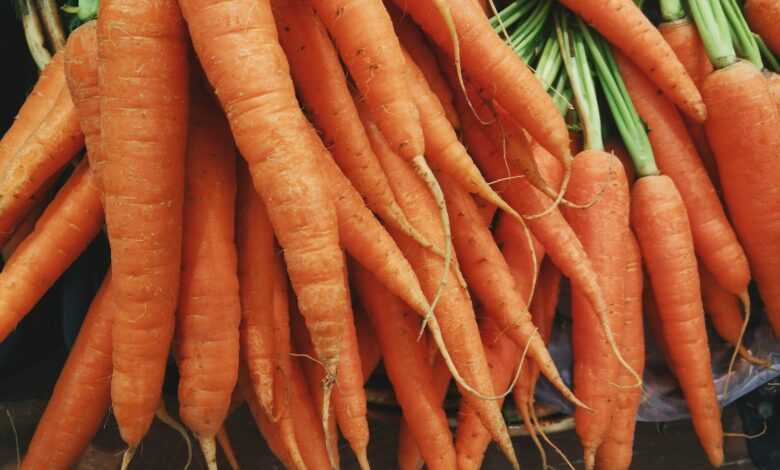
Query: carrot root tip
209, 448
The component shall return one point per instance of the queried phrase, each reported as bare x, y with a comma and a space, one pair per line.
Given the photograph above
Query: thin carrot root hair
227, 448
208, 446
327, 390
546, 438
163, 415
747, 436
127, 457
530, 425
744, 298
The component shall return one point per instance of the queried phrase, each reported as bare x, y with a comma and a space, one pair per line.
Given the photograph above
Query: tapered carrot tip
590, 458
209, 448
227, 448
127, 457
362, 458
715, 455
700, 111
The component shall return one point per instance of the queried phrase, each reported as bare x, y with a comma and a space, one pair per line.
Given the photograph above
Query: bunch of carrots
296, 190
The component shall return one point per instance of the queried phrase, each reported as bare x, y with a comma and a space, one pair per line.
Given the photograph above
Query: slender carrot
142, 45
319, 77
654, 322
209, 310
660, 221
617, 449
370, 353
67, 226
763, 16
406, 363
714, 239
80, 399
237, 43
627, 28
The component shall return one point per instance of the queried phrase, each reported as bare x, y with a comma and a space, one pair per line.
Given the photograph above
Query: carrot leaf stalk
713, 28
770, 60
672, 10
511, 14
744, 40
85, 10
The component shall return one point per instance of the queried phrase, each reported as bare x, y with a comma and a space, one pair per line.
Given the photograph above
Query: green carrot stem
526, 34
549, 64
671, 10
714, 31
769, 57
744, 40
561, 93
511, 14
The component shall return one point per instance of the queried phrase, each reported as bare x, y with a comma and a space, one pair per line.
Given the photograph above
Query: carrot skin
763, 16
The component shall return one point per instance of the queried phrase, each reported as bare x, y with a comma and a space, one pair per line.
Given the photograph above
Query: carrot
408, 369
498, 71
455, 313
623, 24
654, 322
143, 183
774, 88
370, 354
415, 44
510, 236
67, 226
81, 72
595, 370
35, 108
489, 277
763, 16
725, 313
27, 225
238, 46
660, 221
255, 243
682, 37
78, 404
503, 355
714, 239
319, 77
209, 312
617, 449
43, 154
743, 134
364, 36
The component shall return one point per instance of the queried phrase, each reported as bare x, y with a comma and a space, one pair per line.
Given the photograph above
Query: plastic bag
663, 400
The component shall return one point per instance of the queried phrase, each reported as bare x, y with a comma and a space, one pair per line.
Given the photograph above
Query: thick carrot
142, 46
714, 239
500, 73
725, 313
660, 221
209, 310
623, 24
80, 399
743, 134
490, 278
454, 313
256, 256
319, 78
682, 37
763, 16
35, 108
601, 229
774, 88
237, 44
81, 72
44, 153
617, 449
405, 361
363, 33
67, 226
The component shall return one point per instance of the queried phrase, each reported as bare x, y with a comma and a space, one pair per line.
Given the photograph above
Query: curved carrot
237, 43
70, 222
623, 24
500, 73
617, 449
743, 134
143, 182
601, 229
80, 399
660, 221
714, 239
763, 16
319, 78
209, 310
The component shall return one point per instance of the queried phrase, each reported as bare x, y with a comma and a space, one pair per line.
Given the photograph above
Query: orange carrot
763, 16
44, 153
67, 226
714, 239
209, 311
617, 450
370, 354
42, 199
406, 363
142, 46
500, 73
654, 322
660, 221
237, 43
601, 228
319, 78
743, 134
35, 108
80, 399
774, 88
623, 24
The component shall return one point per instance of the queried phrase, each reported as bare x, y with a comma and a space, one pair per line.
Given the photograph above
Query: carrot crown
744, 39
